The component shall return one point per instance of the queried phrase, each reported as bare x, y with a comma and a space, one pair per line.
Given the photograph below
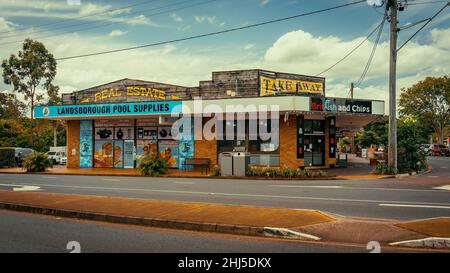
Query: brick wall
288, 143
73, 142
206, 148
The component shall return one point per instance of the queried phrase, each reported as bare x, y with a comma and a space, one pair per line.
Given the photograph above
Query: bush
154, 165
277, 172
409, 155
383, 168
37, 162
7, 157
215, 171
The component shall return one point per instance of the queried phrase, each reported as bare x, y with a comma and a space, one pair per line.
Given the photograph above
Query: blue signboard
108, 110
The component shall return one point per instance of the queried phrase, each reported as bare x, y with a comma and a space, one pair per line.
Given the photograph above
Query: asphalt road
407, 198
23, 232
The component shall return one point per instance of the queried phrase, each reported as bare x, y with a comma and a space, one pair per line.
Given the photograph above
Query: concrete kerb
329, 177
155, 222
429, 242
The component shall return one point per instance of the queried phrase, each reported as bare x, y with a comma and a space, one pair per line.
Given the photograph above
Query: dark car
438, 150
20, 154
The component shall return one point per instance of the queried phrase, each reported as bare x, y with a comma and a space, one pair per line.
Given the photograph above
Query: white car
56, 156
63, 160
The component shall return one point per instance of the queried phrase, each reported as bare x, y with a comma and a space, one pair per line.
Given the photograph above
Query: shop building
113, 125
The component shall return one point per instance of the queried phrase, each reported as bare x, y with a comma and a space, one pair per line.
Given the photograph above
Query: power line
351, 51
424, 25
113, 23
427, 2
81, 17
212, 33
369, 61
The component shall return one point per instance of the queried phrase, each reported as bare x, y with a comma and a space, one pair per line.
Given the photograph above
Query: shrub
215, 171
37, 162
383, 168
7, 157
154, 165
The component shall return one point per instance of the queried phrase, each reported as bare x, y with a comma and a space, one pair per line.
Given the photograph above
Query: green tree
380, 128
33, 67
428, 102
367, 138
10, 106
409, 137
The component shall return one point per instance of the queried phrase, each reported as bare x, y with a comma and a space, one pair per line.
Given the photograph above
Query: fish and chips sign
279, 86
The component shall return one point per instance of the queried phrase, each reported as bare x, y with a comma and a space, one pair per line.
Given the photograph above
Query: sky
305, 45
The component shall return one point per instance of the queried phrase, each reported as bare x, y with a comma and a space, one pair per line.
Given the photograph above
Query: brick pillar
73, 143
288, 144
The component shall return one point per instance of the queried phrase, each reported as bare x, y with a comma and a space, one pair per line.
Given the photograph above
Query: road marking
443, 167
414, 206
446, 187
432, 176
244, 195
111, 179
22, 187
353, 188
184, 182
53, 177
302, 186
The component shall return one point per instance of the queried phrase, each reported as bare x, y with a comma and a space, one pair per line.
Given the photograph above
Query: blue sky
304, 45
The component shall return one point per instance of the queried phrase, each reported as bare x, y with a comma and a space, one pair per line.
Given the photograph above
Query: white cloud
175, 17
249, 46
212, 20
88, 9
303, 53
264, 2
117, 32
6, 25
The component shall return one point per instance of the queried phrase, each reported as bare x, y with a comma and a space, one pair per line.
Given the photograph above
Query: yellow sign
136, 91
274, 86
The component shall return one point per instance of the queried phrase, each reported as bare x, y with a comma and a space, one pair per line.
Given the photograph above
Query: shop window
314, 126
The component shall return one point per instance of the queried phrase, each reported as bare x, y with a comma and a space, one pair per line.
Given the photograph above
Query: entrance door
314, 147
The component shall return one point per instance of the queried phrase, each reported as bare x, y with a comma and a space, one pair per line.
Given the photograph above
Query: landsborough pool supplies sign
108, 110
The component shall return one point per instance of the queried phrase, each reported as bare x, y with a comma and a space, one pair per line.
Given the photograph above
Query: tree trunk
55, 131
31, 123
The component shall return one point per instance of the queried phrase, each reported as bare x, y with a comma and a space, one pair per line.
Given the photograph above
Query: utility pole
392, 145
351, 90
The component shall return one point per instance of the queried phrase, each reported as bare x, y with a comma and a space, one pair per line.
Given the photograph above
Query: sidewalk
354, 172
243, 220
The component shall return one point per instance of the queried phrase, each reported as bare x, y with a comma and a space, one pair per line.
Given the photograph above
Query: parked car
438, 150
56, 156
63, 160
20, 154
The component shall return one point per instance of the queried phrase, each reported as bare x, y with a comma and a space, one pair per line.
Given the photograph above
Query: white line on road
446, 187
444, 167
244, 195
432, 176
111, 179
184, 183
414, 206
22, 187
302, 186
352, 188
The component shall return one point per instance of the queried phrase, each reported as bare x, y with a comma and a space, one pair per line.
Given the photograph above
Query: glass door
314, 147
